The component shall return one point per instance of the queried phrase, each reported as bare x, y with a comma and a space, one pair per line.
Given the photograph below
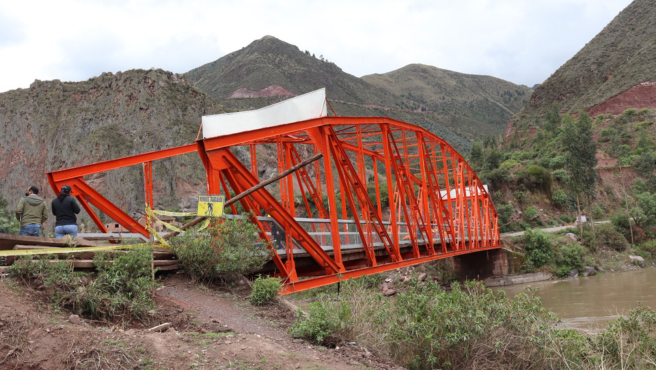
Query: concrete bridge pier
485, 264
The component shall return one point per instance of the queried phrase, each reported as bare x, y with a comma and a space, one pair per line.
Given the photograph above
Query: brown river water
589, 303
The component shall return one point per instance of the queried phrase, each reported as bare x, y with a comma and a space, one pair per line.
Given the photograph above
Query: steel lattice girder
433, 195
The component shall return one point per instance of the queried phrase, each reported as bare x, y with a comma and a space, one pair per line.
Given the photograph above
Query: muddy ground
211, 329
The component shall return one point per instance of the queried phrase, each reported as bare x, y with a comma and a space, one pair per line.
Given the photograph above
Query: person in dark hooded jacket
31, 212
64, 207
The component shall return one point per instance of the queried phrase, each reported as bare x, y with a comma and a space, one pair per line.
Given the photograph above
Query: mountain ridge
270, 62
619, 58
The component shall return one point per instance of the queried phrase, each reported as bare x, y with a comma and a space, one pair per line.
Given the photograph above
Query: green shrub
538, 246
322, 321
570, 257
643, 125
505, 212
530, 213
265, 290
557, 162
509, 164
629, 113
121, 290
520, 196
535, 177
227, 249
597, 212
560, 175
559, 198
649, 247
568, 218
604, 235
636, 331
621, 222
499, 177
607, 134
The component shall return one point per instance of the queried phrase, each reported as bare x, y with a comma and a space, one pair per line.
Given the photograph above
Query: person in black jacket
64, 207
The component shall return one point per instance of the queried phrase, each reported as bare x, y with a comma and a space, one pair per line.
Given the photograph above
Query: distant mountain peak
459, 107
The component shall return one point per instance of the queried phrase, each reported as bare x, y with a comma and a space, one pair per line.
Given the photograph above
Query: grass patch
120, 291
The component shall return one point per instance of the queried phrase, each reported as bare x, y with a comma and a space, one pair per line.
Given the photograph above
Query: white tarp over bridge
300, 108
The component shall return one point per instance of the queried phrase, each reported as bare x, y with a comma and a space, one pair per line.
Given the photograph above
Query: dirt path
212, 330
548, 230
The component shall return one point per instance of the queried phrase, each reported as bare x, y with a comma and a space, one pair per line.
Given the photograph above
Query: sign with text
210, 205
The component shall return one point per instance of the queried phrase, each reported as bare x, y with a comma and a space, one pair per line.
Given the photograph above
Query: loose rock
389, 292
75, 320
638, 260
588, 271
422, 277
572, 237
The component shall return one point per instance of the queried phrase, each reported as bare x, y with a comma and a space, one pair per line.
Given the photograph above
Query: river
589, 303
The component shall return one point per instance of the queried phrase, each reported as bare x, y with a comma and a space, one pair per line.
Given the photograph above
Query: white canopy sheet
300, 108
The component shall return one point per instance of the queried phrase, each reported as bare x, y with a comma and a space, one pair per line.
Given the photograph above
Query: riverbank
471, 326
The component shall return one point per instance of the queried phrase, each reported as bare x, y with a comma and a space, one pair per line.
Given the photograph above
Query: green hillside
457, 100
620, 57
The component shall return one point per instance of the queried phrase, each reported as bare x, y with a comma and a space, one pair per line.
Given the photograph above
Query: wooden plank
8, 241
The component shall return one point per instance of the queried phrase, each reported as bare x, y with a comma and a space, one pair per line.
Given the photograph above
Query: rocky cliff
53, 125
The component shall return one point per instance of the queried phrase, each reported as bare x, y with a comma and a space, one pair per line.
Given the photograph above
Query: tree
476, 154
581, 152
553, 116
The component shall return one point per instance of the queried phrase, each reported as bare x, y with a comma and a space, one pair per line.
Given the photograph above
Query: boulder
638, 260
389, 292
422, 277
573, 274
75, 320
588, 271
572, 237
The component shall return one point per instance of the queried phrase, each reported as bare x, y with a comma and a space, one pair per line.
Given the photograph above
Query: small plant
324, 319
265, 290
227, 249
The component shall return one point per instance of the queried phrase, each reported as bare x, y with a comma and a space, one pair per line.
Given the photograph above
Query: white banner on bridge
469, 192
300, 108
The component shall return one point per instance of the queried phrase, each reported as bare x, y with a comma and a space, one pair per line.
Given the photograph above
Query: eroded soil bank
210, 330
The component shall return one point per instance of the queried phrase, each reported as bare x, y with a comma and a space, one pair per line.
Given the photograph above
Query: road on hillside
547, 230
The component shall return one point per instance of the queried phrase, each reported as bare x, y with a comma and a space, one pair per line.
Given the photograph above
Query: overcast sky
522, 41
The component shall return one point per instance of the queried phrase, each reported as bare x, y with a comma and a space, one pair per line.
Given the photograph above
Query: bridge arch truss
328, 221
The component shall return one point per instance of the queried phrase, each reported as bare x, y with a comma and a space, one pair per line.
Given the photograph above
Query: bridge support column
484, 264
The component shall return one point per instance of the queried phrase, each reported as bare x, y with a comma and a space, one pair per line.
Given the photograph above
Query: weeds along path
210, 330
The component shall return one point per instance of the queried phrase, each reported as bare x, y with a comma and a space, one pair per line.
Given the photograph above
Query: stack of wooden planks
79, 252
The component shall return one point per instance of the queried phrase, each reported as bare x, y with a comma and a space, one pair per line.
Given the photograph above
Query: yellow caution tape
152, 215
204, 225
174, 214
28, 252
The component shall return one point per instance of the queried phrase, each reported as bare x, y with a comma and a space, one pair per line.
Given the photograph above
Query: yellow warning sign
210, 205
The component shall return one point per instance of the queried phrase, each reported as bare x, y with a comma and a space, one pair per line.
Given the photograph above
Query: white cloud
521, 41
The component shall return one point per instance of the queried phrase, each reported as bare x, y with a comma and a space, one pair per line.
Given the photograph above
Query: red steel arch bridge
438, 207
